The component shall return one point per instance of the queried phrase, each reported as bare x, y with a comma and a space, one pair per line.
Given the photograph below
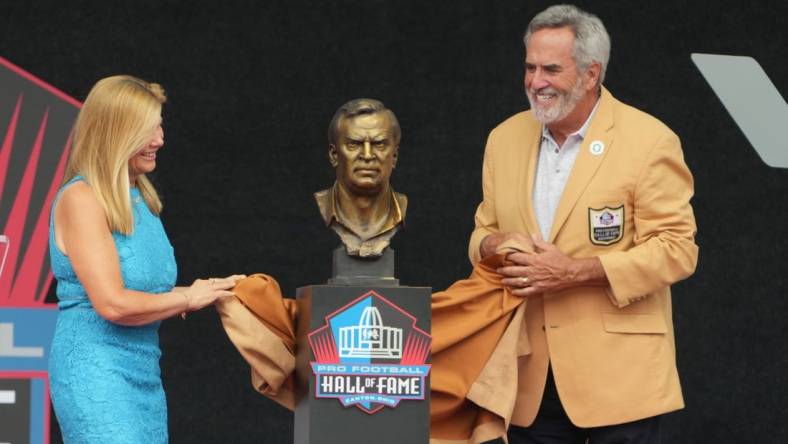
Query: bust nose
366, 150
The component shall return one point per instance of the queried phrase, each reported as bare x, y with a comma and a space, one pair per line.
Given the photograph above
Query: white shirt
552, 172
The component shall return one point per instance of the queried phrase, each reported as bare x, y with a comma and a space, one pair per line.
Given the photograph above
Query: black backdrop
252, 86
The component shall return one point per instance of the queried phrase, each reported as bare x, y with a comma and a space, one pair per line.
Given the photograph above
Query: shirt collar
395, 216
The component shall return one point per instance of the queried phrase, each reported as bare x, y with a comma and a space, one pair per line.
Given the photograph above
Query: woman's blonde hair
117, 119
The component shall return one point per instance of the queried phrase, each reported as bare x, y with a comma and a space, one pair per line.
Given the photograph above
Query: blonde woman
115, 270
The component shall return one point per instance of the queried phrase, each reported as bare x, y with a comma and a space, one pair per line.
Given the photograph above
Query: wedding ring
524, 280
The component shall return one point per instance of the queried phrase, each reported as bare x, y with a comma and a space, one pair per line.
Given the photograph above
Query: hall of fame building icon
370, 338
370, 354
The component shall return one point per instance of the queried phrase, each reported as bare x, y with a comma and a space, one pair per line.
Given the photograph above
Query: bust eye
353, 146
379, 145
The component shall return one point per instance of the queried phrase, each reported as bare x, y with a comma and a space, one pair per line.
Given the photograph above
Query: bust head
363, 145
361, 207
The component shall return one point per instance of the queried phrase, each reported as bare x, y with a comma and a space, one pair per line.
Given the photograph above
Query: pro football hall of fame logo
370, 354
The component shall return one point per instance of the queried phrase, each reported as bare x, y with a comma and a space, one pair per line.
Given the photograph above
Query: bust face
365, 153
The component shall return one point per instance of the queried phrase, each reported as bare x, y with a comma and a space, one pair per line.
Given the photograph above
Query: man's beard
563, 105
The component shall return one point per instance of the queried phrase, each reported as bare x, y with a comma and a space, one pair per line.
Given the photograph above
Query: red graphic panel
36, 121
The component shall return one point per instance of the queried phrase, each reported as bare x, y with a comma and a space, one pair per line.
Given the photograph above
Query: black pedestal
360, 343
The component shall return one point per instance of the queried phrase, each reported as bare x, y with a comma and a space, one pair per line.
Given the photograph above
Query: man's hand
549, 270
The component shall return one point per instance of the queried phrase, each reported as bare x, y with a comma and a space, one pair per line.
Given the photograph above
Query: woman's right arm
81, 226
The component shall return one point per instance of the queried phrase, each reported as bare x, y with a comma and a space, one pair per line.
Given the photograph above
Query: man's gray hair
358, 107
592, 43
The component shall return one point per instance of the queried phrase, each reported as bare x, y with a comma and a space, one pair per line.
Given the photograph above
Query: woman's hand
204, 292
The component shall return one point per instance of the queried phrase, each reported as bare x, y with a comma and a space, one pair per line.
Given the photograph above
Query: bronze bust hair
361, 207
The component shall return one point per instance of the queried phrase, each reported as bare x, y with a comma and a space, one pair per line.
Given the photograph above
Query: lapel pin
596, 148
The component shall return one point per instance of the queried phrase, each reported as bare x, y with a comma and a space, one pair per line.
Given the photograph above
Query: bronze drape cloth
477, 338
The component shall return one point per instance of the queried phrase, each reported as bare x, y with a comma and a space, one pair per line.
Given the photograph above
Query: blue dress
105, 378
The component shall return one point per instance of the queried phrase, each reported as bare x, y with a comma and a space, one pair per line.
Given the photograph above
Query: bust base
355, 270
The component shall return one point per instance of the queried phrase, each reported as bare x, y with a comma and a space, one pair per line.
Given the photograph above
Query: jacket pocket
634, 323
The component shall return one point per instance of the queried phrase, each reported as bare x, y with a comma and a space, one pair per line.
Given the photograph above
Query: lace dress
105, 378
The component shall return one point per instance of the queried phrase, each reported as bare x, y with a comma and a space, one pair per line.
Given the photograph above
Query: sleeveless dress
105, 378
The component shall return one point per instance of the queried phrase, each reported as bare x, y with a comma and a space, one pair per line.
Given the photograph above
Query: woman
115, 270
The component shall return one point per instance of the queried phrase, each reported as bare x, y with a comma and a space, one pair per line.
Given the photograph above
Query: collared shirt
552, 172
356, 245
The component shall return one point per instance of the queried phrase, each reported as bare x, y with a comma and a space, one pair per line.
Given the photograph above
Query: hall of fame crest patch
370, 354
606, 225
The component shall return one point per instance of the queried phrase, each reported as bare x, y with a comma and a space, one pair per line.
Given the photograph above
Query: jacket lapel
528, 161
586, 163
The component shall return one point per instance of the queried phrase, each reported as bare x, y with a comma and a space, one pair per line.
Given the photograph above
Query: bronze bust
361, 207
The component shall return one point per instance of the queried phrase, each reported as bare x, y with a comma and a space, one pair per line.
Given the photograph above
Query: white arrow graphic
752, 100
7, 349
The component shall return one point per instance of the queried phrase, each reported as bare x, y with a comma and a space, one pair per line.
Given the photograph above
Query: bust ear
394, 157
332, 155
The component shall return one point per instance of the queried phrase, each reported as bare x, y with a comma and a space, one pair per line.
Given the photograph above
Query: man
361, 207
603, 190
